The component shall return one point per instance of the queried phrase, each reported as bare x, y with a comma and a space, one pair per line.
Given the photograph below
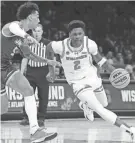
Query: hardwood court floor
69, 131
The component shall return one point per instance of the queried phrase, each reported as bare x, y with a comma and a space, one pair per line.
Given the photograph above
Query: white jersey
78, 64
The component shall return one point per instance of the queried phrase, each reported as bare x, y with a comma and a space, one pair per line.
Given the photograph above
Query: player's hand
51, 77
53, 63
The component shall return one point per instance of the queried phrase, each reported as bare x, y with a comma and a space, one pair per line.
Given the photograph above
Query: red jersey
7, 46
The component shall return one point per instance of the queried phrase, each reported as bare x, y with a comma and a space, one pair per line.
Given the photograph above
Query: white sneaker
88, 113
132, 134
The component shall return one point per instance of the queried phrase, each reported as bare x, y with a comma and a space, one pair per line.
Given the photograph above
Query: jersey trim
87, 87
63, 52
88, 51
100, 89
87, 45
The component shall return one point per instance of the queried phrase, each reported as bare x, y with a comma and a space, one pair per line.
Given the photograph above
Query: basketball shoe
88, 113
42, 135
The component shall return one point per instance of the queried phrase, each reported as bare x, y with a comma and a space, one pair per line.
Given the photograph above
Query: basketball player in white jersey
76, 54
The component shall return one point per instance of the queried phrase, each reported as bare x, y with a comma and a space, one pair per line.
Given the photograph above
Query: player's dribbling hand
53, 63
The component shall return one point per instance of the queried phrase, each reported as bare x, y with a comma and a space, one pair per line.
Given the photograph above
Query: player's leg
25, 120
77, 87
31, 78
101, 96
19, 83
90, 99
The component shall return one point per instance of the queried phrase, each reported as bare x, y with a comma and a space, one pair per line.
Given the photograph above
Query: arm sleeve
57, 47
93, 49
15, 29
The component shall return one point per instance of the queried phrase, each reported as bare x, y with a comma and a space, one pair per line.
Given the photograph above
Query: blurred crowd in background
110, 24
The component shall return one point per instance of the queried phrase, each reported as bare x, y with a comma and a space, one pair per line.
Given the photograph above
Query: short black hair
76, 24
26, 9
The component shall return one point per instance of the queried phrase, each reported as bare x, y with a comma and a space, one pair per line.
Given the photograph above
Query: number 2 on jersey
77, 65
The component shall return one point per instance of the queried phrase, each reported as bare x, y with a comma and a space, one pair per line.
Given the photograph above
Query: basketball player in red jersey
14, 35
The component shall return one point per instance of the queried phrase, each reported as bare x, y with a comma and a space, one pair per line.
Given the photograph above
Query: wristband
100, 63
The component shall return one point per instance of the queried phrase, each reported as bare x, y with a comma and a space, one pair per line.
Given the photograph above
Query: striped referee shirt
39, 50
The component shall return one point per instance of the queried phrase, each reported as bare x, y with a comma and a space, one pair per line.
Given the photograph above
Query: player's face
34, 20
77, 35
37, 32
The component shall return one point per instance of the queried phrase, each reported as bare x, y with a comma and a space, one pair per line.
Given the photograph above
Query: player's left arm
101, 61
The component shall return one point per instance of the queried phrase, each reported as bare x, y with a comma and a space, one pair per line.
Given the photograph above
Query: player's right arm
16, 30
24, 46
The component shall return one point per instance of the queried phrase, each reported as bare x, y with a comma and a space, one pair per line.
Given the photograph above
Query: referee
36, 74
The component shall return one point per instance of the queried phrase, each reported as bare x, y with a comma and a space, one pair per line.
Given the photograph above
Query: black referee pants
37, 78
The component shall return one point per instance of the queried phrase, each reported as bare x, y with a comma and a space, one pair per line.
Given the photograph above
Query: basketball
119, 78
